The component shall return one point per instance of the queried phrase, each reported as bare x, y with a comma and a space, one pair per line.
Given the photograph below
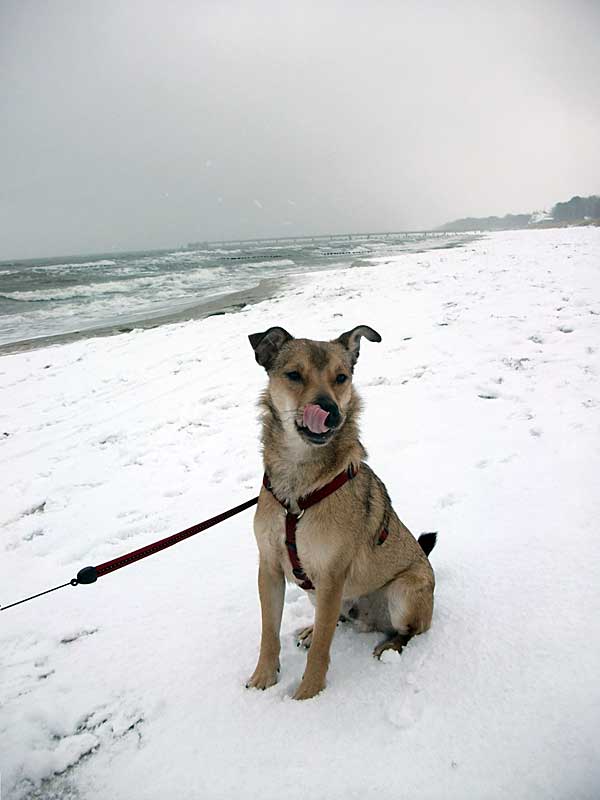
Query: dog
324, 519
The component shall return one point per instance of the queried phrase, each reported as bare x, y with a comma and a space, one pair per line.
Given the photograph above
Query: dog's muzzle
319, 420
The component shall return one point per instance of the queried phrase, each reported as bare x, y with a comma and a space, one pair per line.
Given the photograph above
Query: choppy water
53, 296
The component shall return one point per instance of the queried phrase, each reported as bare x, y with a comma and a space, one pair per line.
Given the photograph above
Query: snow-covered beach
482, 416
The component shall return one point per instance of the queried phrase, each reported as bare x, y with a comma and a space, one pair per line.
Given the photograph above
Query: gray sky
131, 125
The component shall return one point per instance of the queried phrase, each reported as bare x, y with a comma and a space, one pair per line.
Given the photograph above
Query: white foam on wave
36, 295
72, 293
278, 262
185, 254
102, 263
74, 265
168, 284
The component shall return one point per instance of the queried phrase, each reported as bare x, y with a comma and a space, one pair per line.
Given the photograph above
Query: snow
482, 415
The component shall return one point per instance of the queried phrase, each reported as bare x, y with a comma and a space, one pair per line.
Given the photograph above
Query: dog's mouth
312, 436
313, 427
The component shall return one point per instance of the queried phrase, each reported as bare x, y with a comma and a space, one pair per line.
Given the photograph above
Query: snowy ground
482, 415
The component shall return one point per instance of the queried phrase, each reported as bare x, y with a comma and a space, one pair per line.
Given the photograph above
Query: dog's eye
341, 378
294, 376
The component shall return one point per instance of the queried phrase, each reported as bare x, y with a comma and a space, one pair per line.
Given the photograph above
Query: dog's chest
317, 549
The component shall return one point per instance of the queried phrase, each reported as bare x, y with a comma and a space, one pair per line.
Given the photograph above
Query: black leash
91, 574
73, 582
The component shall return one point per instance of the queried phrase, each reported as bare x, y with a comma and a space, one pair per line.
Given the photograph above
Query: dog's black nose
334, 417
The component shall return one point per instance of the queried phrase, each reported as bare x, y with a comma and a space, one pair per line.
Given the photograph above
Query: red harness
291, 520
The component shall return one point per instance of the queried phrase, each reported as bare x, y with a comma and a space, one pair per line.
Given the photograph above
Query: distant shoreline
216, 243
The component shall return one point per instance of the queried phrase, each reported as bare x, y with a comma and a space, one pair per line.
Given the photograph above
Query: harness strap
291, 520
329, 488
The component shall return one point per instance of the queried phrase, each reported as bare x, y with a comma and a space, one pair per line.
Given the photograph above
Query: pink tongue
314, 418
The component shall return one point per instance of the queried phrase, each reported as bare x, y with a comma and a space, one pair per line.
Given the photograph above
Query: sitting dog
324, 520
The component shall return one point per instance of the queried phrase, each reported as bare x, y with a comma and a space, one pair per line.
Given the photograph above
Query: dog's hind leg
304, 635
395, 642
409, 609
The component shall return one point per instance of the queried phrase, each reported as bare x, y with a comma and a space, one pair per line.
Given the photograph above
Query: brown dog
324, 519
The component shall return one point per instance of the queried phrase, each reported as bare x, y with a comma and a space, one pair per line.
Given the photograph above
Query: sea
56, 296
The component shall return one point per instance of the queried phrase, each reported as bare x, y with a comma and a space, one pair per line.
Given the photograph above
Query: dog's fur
387, 587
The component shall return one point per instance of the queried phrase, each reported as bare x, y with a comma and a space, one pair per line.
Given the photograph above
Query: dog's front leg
271, 589
328, 602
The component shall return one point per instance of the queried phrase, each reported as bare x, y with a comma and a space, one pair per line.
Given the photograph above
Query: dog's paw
304, 637
264, 675
396, 643
309, 687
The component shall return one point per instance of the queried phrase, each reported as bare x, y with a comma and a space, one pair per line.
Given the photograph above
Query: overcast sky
132, 125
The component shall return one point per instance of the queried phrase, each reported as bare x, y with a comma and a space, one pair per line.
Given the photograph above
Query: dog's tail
427, 541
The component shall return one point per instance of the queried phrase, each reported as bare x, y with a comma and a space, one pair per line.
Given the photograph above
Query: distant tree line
577, 208
509, 222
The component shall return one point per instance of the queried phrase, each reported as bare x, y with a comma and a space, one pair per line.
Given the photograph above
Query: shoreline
229, 303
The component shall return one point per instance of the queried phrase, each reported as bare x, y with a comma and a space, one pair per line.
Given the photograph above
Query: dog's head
310, 382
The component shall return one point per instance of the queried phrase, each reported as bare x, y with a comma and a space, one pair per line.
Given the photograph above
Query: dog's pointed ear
351, 339
266, 345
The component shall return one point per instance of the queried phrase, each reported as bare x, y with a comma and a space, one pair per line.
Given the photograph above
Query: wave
279, 262
56, 295
184, 254
43, 297
220, 252
167, 284
104, 262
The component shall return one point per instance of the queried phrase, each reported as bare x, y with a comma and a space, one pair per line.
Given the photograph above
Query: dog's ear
266, 345
351, 339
